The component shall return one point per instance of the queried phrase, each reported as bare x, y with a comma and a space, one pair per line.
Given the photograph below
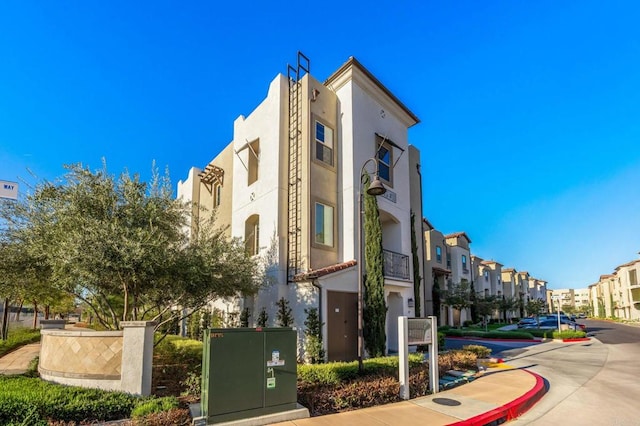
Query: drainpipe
424, 252
314, 282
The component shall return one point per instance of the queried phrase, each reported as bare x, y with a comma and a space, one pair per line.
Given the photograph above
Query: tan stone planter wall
110, 360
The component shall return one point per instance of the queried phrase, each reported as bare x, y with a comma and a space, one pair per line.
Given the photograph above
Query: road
590, 383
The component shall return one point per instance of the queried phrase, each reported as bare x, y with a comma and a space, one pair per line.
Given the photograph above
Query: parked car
582, 315
552, 324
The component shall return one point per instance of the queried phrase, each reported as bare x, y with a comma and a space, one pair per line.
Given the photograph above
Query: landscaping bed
336, 387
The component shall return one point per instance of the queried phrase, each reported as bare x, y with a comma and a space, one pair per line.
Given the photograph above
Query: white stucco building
288, 183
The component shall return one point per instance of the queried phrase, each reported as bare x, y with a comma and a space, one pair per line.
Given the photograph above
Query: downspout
314, 282
424, 251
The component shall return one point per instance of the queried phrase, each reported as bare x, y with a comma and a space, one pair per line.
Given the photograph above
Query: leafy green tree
536, 307
416, 266
375, 308
473, 306
313, 336
458, 295
507, 304
119, 245
284, 315
485, 306
436, 294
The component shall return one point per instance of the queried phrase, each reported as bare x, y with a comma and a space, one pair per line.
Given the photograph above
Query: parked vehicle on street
552, 324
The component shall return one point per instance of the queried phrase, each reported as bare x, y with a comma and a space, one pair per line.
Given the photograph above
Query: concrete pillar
137, 356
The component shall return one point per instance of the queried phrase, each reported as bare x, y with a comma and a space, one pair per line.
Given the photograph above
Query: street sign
8, 190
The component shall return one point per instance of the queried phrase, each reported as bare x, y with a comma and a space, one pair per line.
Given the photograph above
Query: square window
324, 143
324, 225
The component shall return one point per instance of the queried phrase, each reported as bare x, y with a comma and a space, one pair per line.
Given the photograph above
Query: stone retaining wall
110, 360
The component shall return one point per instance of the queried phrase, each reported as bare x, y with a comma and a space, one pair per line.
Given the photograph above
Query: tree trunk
35, 315
5, 319
19, 311
47, 308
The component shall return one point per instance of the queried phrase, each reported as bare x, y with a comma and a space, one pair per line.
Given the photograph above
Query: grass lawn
18, 337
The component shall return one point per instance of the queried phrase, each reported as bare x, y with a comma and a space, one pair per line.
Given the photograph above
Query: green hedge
334, 373
18, 337
32, 401
569, 334
454, 332
178, 350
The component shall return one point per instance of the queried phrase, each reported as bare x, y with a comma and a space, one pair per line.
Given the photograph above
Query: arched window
252, 234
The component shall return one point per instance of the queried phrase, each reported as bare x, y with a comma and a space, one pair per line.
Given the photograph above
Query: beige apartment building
289, 185
617, 295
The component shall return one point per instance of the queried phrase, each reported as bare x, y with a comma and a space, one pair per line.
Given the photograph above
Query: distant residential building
581, 297
617, 294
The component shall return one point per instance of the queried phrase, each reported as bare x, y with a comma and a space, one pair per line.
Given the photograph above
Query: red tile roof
321, 272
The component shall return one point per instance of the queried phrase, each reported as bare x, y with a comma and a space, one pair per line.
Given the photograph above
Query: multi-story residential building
289, 185
459, 263
487, 276
618, 294
437, 267
581, 296
565, 296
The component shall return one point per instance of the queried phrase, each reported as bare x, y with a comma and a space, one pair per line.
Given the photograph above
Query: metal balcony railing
396, 265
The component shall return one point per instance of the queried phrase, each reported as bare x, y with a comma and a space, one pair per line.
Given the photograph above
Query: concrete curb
509, 411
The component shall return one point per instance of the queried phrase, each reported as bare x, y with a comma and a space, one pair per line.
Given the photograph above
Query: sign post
417, 331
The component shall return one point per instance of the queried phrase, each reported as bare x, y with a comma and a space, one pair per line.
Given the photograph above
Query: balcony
396, 265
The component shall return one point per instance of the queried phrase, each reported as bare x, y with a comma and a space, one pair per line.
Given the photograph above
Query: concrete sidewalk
17, 362
501, 394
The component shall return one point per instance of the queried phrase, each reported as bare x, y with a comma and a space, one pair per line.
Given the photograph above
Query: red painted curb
577, 339
509, 411
494, 340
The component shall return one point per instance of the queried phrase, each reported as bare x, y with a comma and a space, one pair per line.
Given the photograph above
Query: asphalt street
590, 383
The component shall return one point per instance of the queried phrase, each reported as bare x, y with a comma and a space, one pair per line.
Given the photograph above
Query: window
633, 277
385, 162
254, 160
324, 143
252, 235
324, 225
439, 254
217, 191
486, 275
464, 262
448, 260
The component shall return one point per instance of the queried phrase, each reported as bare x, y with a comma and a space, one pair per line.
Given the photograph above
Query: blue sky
530, 132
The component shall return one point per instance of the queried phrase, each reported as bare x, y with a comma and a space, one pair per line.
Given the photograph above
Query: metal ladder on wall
296, 138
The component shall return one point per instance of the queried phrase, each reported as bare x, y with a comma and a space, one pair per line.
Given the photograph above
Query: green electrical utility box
248, 372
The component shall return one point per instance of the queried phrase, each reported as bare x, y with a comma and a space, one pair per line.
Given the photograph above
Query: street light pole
375, 188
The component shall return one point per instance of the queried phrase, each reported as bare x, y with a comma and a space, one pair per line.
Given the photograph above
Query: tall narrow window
439, 254
633, 277
486, 275
385, 162
324, 143
464, 262
217, 194
324, 225
254, 160
252, 234
448, 260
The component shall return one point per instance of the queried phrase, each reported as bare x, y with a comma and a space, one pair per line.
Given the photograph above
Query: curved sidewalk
17, 362
500, 393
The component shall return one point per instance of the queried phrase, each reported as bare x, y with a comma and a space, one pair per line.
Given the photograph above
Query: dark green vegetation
375, 308
118, 246
455, 332
18, 337
334, 387
32, 401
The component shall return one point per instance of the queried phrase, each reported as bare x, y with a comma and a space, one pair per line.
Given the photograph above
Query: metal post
434, 379
403, 356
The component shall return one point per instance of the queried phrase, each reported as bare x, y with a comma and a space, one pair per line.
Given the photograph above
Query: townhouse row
448, 260
290, 184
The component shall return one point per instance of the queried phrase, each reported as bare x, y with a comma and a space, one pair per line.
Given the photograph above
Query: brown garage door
342, 326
